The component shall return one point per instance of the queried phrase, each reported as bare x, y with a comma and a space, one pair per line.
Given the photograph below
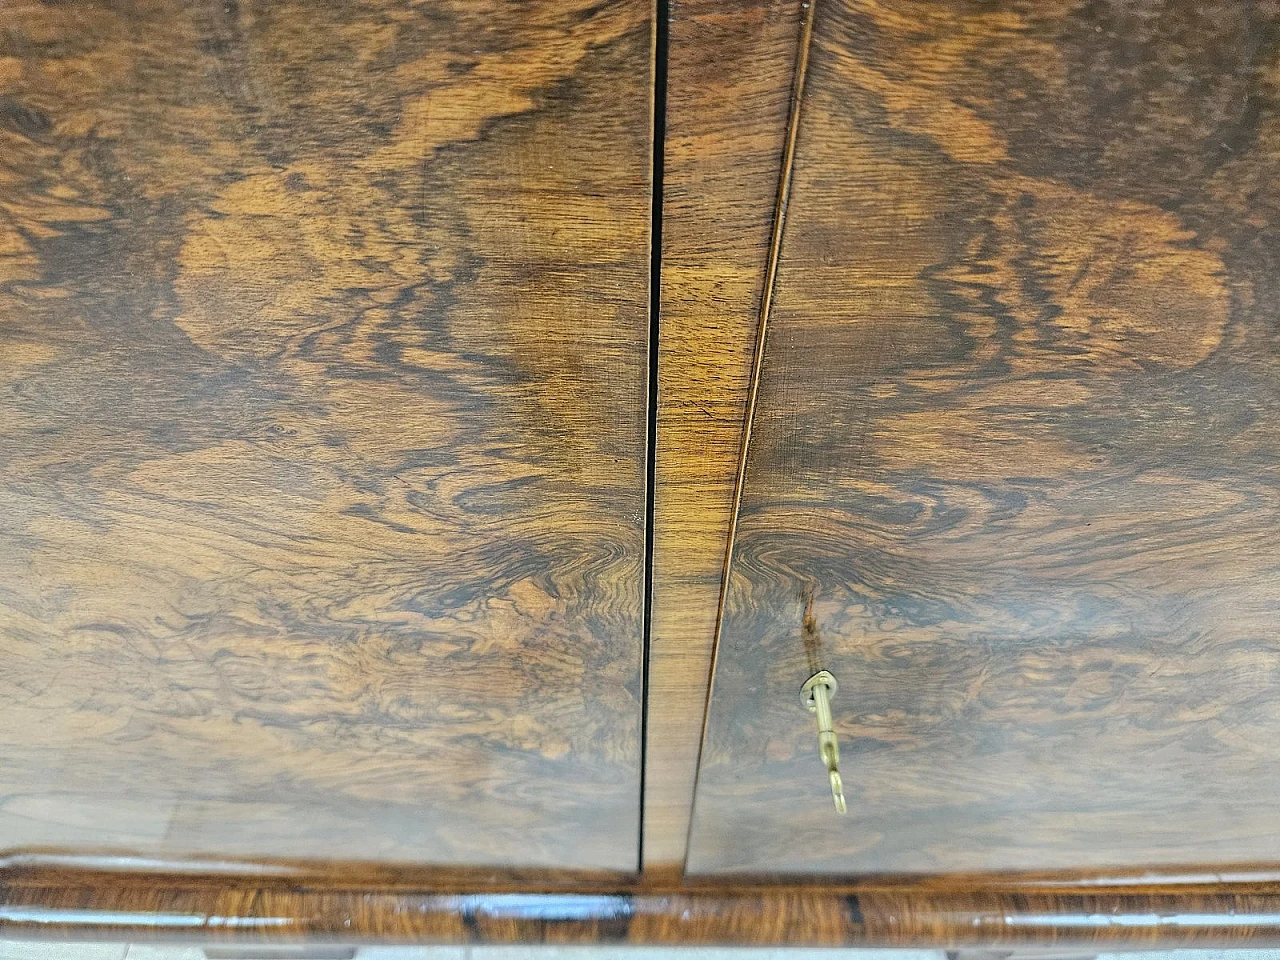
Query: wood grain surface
350, 905
1018, 449
322, 428
728, 86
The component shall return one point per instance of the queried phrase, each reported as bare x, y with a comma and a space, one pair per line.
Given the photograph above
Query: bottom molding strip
355, 905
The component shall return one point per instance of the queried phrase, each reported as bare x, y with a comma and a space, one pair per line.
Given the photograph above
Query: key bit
816, 695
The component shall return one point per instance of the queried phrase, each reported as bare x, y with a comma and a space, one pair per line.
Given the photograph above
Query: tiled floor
14, 950
11, 950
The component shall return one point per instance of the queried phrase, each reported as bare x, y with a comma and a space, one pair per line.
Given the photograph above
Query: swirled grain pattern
322, 389
1018, 448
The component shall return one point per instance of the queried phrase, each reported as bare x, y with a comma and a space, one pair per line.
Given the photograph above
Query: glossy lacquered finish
356, 905
323, 377
1016, 450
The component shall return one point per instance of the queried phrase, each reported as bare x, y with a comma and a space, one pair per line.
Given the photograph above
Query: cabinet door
1014, 469
323, 338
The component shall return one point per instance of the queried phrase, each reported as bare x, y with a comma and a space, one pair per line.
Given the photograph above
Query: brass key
816, 695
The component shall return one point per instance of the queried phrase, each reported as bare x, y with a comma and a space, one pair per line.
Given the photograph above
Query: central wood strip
726, 125
726, 131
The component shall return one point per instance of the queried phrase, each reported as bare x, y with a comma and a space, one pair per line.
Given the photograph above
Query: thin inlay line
762, 328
